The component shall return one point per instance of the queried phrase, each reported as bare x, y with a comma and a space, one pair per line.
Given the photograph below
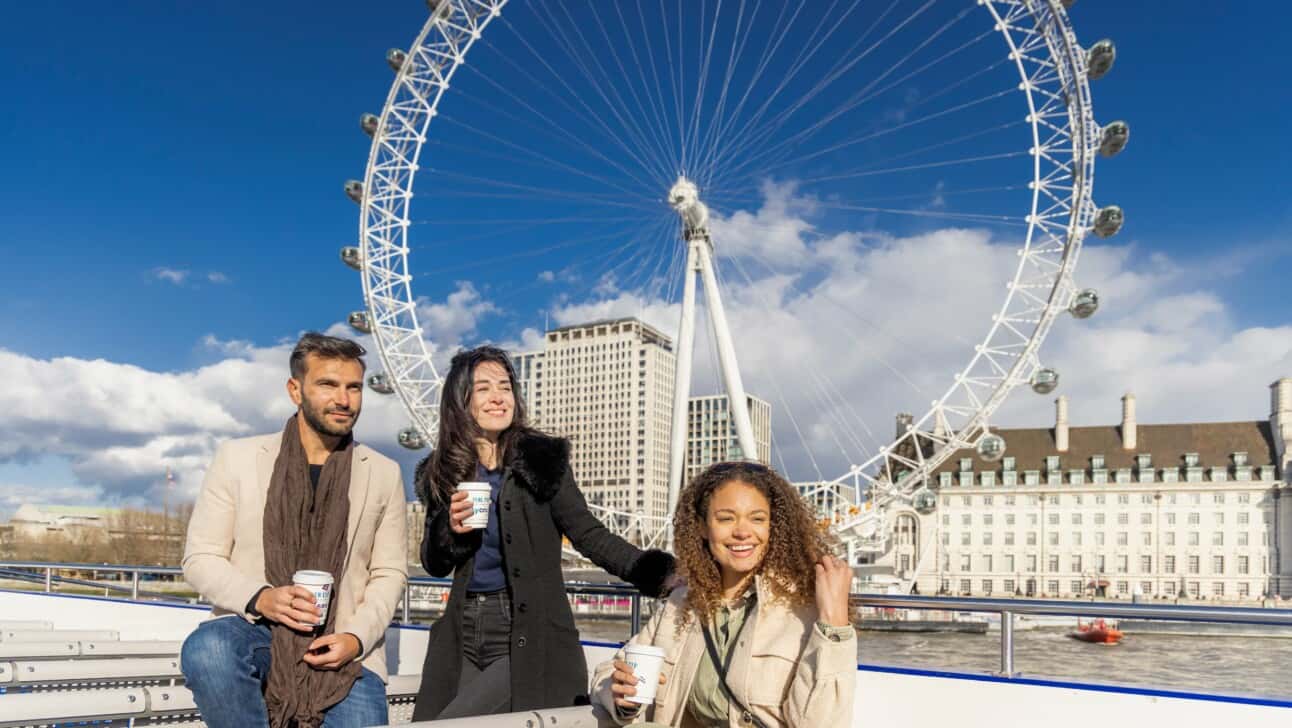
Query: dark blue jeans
226, 664
484, 686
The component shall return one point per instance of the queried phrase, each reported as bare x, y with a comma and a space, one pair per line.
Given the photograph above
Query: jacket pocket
770, 679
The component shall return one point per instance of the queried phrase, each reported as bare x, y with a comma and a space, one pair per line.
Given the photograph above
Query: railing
1007, 609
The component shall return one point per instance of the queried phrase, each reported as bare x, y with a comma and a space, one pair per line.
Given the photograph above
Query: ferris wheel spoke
589, 69
866, 93
735, 54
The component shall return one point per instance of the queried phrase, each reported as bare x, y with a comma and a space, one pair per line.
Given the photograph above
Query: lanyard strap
721, 666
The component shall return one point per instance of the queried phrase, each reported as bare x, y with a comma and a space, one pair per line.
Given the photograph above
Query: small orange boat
1098, 632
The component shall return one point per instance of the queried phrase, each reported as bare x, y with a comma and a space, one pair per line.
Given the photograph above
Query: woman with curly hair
761, 635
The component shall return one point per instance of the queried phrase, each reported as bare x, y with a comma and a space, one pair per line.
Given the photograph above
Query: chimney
1281, 424
1061, 423
904, 420
1128, 421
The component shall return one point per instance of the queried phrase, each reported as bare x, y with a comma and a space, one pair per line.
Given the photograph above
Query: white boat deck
57, 666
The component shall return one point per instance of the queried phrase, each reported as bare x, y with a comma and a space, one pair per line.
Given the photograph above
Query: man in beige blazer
227, 660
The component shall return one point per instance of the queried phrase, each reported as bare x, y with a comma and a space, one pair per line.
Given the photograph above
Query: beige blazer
784, 669
224, 558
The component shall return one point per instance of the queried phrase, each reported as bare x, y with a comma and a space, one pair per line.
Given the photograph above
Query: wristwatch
833, 633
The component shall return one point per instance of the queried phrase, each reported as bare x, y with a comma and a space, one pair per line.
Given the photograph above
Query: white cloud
218, 278
840, 331
175, 276
120, 426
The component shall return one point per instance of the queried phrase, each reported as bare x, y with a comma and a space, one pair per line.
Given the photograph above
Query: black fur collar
540, 464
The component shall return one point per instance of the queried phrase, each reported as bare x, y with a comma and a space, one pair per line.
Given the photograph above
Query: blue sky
210, 140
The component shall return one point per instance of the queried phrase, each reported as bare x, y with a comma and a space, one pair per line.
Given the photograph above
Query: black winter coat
538, 503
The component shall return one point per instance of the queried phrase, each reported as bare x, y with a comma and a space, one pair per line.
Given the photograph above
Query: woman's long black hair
454, 458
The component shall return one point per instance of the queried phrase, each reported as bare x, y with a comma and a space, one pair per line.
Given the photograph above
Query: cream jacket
224, 557
784, 669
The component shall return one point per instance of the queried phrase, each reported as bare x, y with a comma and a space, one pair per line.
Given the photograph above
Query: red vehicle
1098, 632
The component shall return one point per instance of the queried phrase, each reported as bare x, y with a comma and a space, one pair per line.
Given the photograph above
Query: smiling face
738, 528
329, 394
492, 403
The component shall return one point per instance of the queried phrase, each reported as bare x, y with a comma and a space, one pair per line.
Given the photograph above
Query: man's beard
319, 423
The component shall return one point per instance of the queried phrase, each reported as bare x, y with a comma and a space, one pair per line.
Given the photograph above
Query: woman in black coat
507, 640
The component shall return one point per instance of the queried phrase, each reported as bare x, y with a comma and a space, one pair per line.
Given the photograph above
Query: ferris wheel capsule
351, 256
395, 58
380, 383
1108, 221
1113, 138
1045, 380
1084, 304
359, 321
924, 501
368, 122
991, 447
354, 190
411, 438
440, 9
1100, 59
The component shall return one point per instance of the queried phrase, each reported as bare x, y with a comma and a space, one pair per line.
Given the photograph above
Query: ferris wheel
665, 123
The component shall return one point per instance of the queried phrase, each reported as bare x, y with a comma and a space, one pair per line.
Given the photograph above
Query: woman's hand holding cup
624, 686
460, 510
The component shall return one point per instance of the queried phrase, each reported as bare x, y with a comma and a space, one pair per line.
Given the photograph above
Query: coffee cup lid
307, 575
646, 650
474, 486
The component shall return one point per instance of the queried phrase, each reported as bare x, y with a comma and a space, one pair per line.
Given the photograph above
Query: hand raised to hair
833, 583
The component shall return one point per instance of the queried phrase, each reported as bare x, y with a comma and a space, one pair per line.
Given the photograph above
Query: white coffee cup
481, 495
646, 661
319, 583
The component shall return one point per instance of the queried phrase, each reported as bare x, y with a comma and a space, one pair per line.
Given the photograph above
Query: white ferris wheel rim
1065, 141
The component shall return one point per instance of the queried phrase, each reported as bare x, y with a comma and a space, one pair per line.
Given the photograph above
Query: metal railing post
403, 606
635, 603
1007, 644
49, 579
134, 585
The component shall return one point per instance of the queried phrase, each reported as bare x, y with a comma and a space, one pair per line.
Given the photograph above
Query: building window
1051, 463
1054, 563
1169, 538
1031, 563
1145, 564
1243, 591
1242, 565
1218, 538
986, 518
1076, 519
966, 562
1217, 497
1123, 563
1168, 564
1099, 538
1123, 499
1009, 519
1096, 462
1169, 588
987, 478
1195, 519
1195, 589
964, 539
1008, 463
1054, 538
1076, 538
964, 586
1148, 538
944, 479
966, 464
1077, 477
1009, 562
1242, 538
1218, 588
1170, 519
1217, 564
1145, 519
1009, 586
1123, 587
1052, 587
1009, 538
1219, 518
1053, 519
1009, 477
1243, 517
1123, 519
1123, 475
1076, 565
1144, 461
1123, 538
986, 586
1193, 538
1190, 459
965, 519
1193, 475
1099, 476
1031, 538
1099, 519
1195, 564
1170, 475
1074, 586
1009, 500
986, 538
1031, 477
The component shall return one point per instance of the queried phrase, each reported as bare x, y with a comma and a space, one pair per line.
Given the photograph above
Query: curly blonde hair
794, 543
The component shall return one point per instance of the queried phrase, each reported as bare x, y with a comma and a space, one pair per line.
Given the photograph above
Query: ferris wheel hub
684, 197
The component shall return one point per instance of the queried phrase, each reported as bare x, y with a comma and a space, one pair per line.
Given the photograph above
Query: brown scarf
305, 528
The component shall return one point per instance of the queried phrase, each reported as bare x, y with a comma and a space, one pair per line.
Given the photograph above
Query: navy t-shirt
488, 574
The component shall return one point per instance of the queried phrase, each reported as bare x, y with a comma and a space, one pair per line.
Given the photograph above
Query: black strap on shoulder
721, 666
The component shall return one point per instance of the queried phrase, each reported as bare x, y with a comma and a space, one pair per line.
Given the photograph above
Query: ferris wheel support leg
682, 383
737, 400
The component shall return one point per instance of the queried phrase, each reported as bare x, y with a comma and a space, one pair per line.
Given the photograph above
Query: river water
1214, 664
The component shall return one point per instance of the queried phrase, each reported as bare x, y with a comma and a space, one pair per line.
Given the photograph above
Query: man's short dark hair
325, 347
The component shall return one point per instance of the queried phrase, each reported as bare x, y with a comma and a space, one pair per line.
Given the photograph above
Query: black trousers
485, 684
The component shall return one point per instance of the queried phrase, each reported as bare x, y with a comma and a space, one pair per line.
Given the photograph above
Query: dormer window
1051, 463
1191, 460
966, 464
1009, 462
1096, 462
1240, 459
1144, 461
1219, 475
944, 480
